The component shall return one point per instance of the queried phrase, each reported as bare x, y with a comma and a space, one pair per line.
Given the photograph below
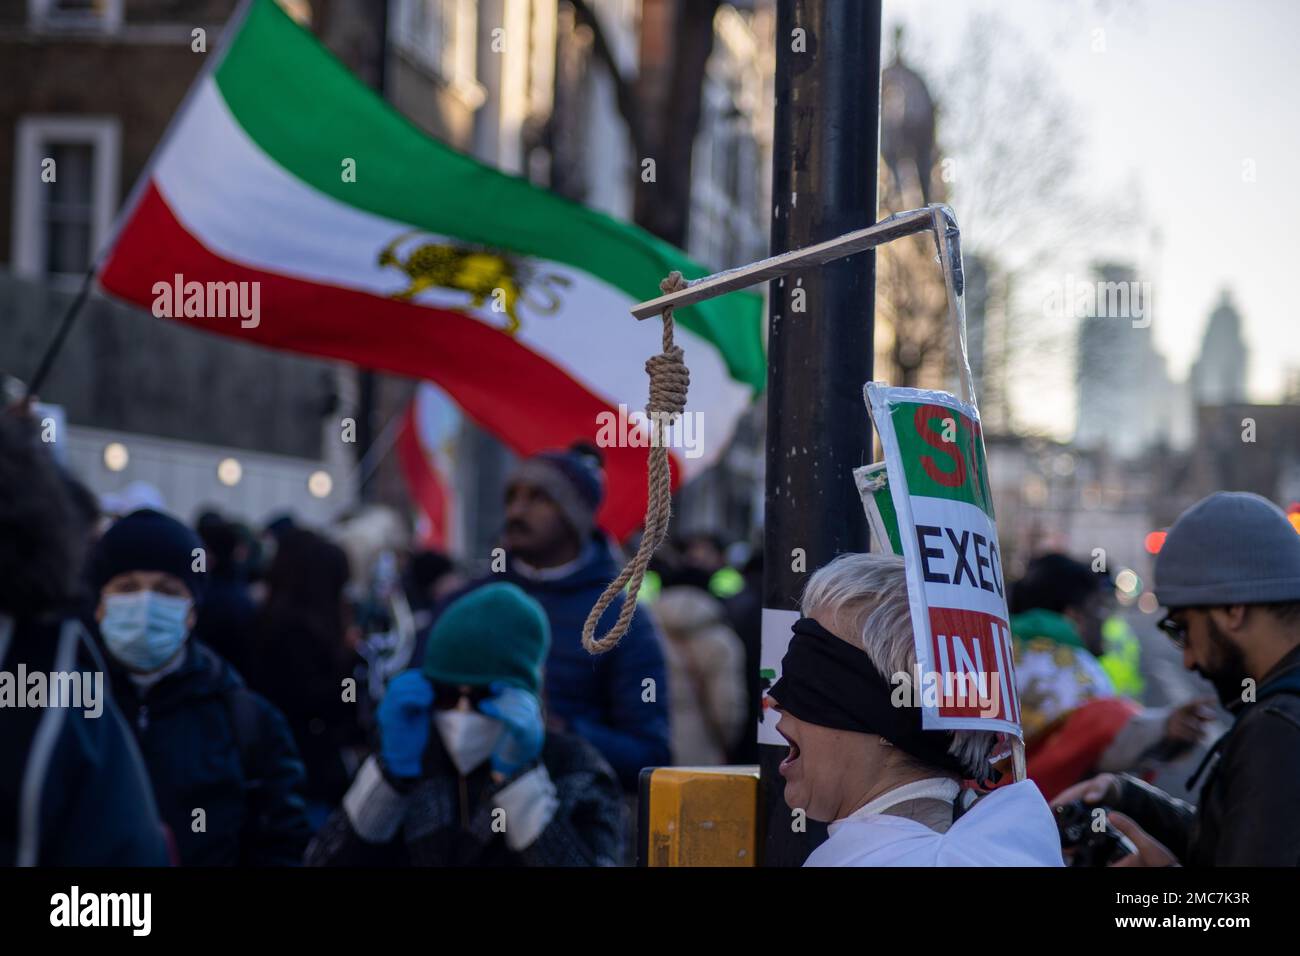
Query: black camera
1090, 846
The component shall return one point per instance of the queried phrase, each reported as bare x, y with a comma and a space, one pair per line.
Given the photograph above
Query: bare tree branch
624, 91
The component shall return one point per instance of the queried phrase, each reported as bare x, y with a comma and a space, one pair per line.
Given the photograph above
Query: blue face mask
143, 630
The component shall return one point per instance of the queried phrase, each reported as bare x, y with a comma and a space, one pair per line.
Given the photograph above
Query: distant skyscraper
1126, 400
1219, 375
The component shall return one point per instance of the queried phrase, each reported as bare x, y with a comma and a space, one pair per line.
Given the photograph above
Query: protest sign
937, 479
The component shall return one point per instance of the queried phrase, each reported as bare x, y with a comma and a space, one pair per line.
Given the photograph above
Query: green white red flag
370, 242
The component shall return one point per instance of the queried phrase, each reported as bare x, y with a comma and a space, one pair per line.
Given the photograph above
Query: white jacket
1012, 826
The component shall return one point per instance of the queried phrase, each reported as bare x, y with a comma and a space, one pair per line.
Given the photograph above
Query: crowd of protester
280, 694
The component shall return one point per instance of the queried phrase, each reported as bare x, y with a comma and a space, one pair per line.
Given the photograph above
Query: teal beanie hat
494, 633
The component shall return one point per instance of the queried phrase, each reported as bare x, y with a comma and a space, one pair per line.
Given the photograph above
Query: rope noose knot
669, 381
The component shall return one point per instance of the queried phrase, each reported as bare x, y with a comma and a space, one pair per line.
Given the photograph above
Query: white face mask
468, 736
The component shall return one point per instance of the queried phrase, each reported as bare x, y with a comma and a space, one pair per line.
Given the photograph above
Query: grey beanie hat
1230, 548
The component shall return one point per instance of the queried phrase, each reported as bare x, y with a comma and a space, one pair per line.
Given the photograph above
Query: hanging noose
669, 380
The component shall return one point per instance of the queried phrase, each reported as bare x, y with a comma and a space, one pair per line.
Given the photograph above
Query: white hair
862, 598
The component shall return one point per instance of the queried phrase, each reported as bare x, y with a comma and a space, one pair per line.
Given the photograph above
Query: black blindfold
831, 683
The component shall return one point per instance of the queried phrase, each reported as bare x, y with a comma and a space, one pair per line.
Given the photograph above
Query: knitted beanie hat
1230, 548
148, 541
494, 633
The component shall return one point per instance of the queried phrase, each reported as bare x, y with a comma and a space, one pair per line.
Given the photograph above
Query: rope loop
669, 381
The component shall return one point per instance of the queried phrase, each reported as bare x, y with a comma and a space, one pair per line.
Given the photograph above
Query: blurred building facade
1127, 401
1241, 447
1218, 376
517, 83
1052, 496
88, 88
915, 340
1146, 447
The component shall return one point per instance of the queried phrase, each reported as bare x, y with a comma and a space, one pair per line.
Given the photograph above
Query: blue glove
404, 719
521, 741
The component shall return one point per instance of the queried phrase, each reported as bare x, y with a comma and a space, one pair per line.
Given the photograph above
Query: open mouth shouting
792, 758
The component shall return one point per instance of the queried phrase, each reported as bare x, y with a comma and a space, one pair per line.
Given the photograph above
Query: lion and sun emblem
486, 274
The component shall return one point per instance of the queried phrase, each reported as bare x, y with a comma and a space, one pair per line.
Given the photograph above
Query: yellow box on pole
698, 816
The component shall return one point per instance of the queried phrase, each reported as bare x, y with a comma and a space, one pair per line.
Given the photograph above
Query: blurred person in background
222, 762
430, 577
227, 615
467, 772
1075, 723
73, 788
703, 551
705, 670
890, 790
375, 539
264, 543
745, 615
555, 553
136, 496
1229, 573
704, 554
85, 508
306, 652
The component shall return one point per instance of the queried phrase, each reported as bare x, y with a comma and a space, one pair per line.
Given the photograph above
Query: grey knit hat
1230, 548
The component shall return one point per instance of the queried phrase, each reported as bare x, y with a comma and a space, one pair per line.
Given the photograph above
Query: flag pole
65, 326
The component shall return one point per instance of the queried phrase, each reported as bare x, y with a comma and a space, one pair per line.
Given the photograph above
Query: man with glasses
1075, 722
1229, 573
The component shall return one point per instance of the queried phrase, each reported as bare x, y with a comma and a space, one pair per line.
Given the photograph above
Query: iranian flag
350, 234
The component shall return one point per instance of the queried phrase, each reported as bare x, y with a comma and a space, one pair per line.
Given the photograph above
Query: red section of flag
424, 481
511, 391
971, 652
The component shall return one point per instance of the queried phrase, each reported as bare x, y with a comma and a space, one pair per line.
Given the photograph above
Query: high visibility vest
651, 585
726, 582
1121, 657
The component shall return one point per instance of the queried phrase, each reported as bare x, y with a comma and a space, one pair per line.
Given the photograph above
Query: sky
1186, 110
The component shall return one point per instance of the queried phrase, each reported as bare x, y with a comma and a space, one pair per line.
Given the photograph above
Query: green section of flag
943, 454
309, 113
884, 501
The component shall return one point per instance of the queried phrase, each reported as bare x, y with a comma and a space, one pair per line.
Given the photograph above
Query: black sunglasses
449, 696
1176, 631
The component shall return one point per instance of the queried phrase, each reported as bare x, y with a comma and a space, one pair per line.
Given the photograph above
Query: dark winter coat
73, 789
447, 819
297, 672
1247, 812
227, 619
211, 744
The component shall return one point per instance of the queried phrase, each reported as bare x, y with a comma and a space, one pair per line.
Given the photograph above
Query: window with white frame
441, 35
75, 15
65, 192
